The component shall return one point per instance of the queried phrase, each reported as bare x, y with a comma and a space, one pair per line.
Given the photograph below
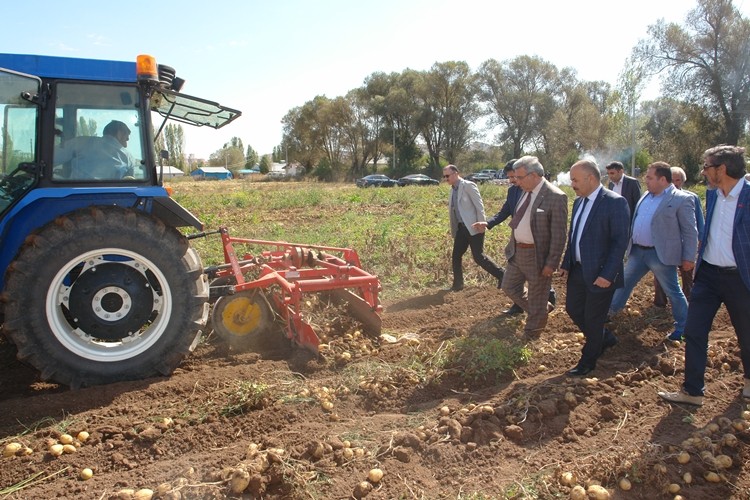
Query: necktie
519, 213
575, 236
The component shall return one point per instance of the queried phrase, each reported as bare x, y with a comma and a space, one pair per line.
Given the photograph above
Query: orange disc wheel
242, 317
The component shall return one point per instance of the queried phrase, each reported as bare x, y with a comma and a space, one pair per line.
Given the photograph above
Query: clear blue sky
266, 57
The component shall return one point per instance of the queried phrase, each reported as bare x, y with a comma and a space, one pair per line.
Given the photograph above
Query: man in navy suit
626, 186
592, 262
723, 270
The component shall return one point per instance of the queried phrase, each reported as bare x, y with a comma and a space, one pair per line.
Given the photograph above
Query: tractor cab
77, 122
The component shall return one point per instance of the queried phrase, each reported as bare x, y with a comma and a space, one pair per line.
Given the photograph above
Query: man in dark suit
626, 186
537, 241
593, 260
723, 270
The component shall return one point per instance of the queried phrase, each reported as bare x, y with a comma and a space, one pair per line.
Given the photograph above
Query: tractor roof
70, 67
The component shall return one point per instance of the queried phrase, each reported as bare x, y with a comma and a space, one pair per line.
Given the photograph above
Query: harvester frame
244, 286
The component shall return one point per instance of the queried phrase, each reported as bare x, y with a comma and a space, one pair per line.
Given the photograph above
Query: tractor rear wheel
105, 295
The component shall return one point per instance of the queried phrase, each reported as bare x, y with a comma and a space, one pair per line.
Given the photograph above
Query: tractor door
19, 170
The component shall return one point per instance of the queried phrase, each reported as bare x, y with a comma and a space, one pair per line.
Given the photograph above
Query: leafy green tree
301, 137
174, 140
707, 62
393, 100
448, 109
579, 123
251, 157
361, 131
265, 164
231, 157
521, 96
678, 132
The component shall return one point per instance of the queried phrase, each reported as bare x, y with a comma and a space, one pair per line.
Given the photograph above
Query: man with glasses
722, 270
507, 210
537, 241
465, 207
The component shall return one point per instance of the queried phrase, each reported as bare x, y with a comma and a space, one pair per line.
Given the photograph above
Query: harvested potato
375, 475
86, 474
11, 449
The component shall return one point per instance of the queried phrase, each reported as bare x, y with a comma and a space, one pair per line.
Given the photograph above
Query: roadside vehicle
492, 173
376, 180
479, 178
417, 180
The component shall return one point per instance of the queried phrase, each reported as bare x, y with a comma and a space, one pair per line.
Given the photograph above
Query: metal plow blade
360, 310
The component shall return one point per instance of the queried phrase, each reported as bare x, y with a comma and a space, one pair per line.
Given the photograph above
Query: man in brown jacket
537, 242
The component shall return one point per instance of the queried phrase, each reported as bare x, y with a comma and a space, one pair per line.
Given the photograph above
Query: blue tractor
98, 284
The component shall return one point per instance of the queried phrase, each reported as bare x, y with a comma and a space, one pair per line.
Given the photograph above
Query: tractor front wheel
105, 295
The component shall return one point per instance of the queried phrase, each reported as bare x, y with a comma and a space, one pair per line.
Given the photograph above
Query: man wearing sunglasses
465, 208
722, 271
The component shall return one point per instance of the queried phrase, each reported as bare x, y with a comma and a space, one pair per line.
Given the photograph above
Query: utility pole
394, 148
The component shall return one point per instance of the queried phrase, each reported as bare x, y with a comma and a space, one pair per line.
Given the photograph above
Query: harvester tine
360, 310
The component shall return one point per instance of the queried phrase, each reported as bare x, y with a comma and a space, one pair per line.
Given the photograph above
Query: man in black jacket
626, 186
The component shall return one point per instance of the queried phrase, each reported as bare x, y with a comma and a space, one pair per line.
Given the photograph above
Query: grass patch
486, 358
245, 396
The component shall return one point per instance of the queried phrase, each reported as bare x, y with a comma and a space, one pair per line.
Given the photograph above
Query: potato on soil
375, 475
11, 449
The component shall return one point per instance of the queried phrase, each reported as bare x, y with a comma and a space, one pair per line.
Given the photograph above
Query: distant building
169, 172
211, 173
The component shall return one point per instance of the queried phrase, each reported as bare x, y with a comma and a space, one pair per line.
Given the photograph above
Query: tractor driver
89, 157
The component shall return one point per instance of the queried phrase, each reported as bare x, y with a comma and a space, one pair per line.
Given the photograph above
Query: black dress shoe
552, 297
513, 310
580, 371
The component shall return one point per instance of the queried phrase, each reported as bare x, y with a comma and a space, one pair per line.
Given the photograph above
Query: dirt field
284, 425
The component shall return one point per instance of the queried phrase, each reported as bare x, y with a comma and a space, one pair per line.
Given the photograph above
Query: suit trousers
463, 241
522, 269
588, 310
712, 287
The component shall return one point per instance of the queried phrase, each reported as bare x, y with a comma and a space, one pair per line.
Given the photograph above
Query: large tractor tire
105, 295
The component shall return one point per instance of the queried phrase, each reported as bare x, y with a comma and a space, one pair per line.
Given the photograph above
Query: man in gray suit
660, 299
663, 236
465, 208
624, 185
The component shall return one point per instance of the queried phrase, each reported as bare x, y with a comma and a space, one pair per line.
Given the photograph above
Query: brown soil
434, 434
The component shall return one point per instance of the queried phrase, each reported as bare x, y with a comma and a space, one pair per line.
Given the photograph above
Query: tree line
421, 120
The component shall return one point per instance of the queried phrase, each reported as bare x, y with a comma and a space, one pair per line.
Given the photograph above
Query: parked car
276, 175
479, 178
417, 180
492, 173
376, 180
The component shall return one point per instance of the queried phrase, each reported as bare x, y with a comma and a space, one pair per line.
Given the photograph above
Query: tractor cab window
99, 134
18, 139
